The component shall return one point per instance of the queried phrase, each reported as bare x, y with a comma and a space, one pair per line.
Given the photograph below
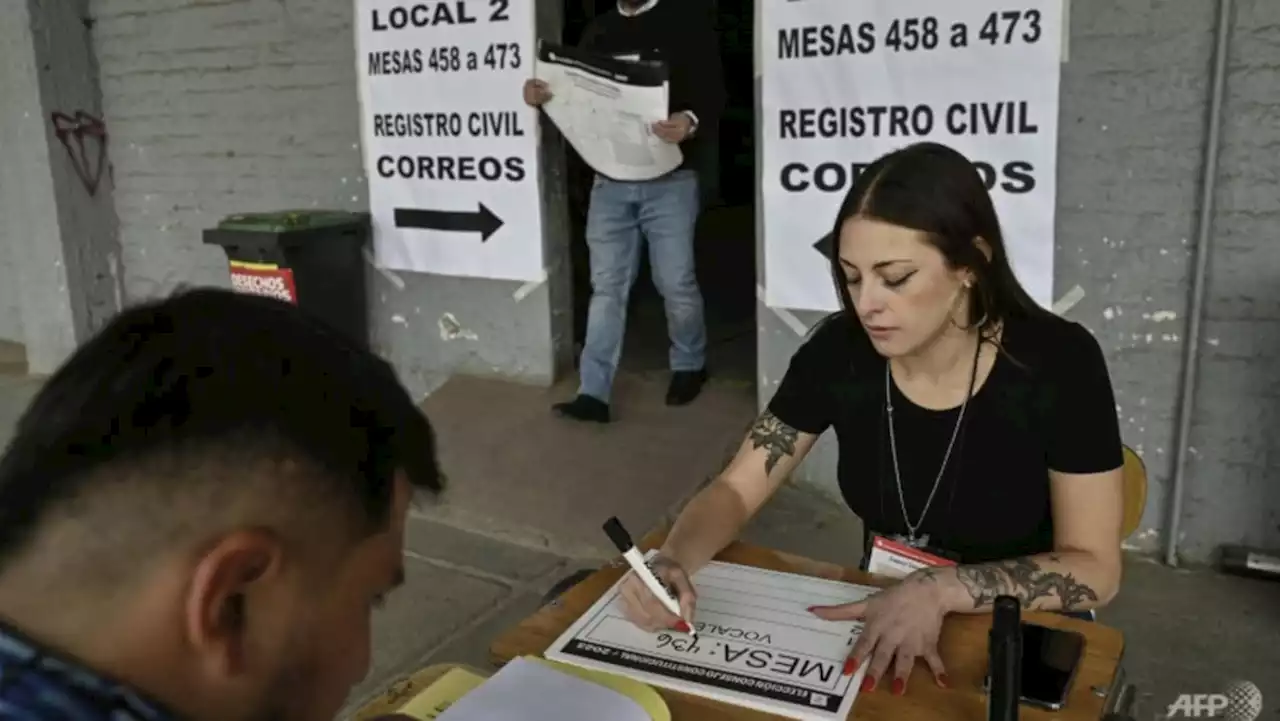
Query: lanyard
913, 538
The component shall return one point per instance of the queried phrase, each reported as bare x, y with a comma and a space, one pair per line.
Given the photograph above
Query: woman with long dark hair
977, 432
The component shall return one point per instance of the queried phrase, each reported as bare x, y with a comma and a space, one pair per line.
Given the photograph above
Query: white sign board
450, 147
845, 82
757, 644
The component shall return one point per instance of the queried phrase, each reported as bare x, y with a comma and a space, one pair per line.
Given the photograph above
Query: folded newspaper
605, 107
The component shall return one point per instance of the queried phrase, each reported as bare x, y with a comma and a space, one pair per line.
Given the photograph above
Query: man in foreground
198, 513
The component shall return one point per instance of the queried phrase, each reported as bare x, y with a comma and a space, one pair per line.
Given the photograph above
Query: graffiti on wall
85, 138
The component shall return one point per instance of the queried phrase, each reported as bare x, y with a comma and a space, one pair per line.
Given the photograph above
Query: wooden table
963, 648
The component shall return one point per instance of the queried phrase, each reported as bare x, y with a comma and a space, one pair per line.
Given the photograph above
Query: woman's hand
645, 610
901, 623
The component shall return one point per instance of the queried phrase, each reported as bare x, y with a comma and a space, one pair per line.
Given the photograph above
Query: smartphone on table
1050, 659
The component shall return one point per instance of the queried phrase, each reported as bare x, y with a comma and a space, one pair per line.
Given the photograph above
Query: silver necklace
912, 539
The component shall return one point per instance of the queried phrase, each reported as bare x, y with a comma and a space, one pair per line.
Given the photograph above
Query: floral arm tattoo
777, 438
1026, 580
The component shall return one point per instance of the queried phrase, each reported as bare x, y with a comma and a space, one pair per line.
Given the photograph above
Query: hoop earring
968, 285
978, 325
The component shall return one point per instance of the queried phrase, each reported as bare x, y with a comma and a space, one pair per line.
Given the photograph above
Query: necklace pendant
912, 539
918, 541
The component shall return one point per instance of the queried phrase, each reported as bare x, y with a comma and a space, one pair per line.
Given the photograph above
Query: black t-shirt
682, 35
1047, 404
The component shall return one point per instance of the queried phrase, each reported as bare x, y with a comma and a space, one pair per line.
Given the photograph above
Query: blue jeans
664, 211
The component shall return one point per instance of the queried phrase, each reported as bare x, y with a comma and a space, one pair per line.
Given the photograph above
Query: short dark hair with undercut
209, 384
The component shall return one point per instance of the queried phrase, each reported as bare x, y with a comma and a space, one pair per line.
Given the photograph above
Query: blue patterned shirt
38, 686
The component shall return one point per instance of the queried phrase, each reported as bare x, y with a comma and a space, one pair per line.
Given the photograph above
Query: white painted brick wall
222, 107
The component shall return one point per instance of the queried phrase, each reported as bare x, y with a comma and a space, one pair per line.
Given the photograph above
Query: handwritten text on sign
450, 146
979, 76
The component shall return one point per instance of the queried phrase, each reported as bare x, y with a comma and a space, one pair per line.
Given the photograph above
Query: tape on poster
1066, 30
1068, 300
524, 290
783, 314
392, 278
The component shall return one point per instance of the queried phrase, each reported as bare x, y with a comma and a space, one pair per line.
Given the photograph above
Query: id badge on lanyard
897, 556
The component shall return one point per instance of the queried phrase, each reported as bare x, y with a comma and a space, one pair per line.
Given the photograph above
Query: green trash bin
312, 258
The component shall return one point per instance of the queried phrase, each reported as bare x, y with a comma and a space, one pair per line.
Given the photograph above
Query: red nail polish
899, 687
868, 683
850, 665
943, 681
682, 627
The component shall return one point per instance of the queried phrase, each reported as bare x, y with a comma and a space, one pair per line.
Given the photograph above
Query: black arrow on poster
825, 245
481, 221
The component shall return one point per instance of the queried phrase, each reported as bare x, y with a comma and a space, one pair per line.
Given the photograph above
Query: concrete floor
473, 572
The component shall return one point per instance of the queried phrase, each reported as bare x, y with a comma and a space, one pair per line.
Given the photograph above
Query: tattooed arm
1067, 581
1083, 571
715, 516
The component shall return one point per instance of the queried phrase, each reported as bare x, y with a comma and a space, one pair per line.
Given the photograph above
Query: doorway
657, 456
725, 246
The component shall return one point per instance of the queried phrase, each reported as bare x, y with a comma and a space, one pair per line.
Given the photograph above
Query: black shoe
583, 408
685, 386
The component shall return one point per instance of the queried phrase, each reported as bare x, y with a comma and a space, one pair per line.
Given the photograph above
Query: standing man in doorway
680, 33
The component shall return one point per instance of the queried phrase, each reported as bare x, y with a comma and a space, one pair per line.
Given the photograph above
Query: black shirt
681, 34
1047, 404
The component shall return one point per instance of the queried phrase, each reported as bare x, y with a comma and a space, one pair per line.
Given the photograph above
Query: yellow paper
446, 690
442, 694
642, 694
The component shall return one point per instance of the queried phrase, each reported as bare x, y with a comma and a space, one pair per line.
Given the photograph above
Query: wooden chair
1135, 502
1135, 492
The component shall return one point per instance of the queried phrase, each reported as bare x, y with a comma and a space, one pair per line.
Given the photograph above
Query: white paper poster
450, 147
845, 82
757, 646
